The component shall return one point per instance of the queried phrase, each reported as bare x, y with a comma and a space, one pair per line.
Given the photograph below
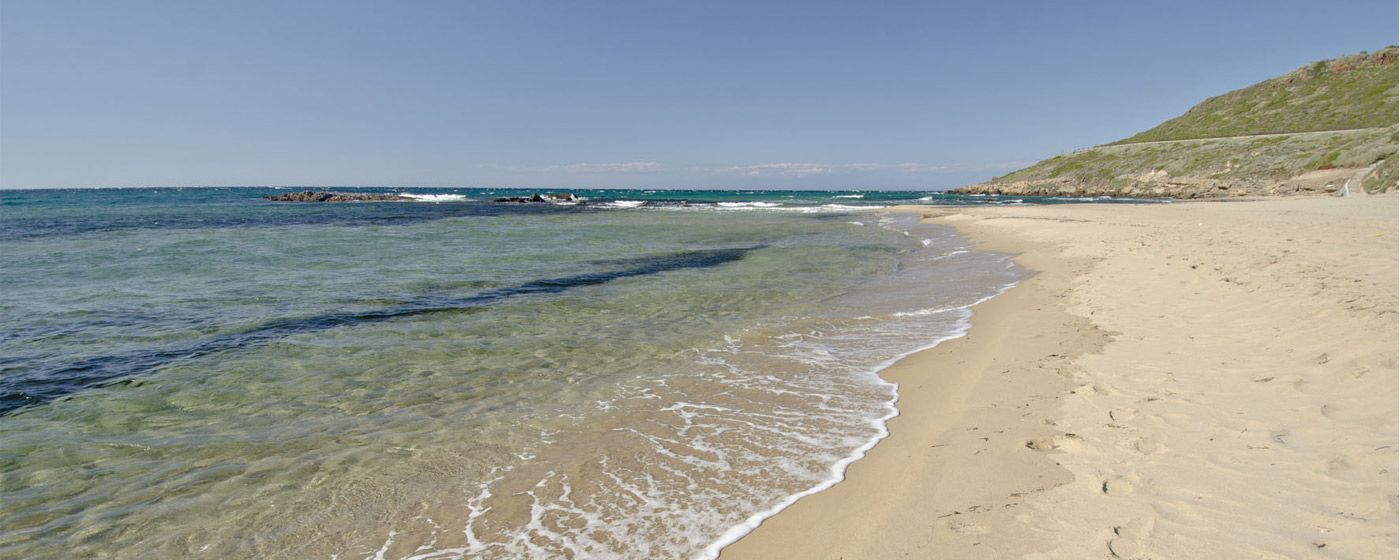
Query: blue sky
917, 95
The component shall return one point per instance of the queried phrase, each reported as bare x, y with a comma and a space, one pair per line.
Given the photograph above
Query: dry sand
1187, 380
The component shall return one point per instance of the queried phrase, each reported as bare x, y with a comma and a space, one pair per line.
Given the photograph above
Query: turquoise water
203, 373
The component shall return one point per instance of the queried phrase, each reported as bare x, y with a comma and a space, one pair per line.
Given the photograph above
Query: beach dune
1185, 380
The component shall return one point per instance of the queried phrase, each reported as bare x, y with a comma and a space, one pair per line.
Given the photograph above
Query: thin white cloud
809, 169
791, 169
801, 169
610, 167
921, 168
962, 167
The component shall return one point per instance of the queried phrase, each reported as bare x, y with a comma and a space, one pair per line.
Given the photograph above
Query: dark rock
553, 197
332, 196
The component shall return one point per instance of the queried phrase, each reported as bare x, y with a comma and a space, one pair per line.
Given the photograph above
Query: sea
204, 373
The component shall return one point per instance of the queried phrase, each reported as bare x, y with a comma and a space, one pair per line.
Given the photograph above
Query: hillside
1306, 132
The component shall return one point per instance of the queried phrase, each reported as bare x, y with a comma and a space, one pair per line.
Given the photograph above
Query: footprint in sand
1129, 539
968, 529
1338, 466
1122, 414
1119, 485
1339, 413
1148, 445
1099, 389
1046, 444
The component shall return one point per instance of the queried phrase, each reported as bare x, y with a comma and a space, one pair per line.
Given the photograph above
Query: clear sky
655, 94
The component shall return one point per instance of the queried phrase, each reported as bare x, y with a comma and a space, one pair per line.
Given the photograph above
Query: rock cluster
552, 197
332, 196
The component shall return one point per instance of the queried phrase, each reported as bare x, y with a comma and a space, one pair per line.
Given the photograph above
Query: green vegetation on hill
1273, 164
1354, 91
1386, 176
1314, 130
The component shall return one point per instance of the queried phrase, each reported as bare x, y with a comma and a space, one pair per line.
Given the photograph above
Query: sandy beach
1186, 380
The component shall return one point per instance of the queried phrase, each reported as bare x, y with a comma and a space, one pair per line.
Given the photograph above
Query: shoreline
1169, 372
839, 469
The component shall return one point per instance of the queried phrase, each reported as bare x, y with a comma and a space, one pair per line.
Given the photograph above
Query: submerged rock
333, 196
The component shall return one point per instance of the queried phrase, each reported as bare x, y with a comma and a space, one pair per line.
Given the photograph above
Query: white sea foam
947, 255
849, 207
435, 197
926, 312
896, 326
837, 472
625, 203
765, 207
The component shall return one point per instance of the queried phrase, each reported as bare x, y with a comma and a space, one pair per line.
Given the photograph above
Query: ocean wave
436, 197
847, 207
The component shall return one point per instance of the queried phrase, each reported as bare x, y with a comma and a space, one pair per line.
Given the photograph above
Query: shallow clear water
203, 373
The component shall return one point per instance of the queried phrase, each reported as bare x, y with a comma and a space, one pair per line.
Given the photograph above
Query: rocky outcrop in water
333, 196
553, 197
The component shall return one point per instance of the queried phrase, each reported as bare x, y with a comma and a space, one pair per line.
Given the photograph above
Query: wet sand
1186, 380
